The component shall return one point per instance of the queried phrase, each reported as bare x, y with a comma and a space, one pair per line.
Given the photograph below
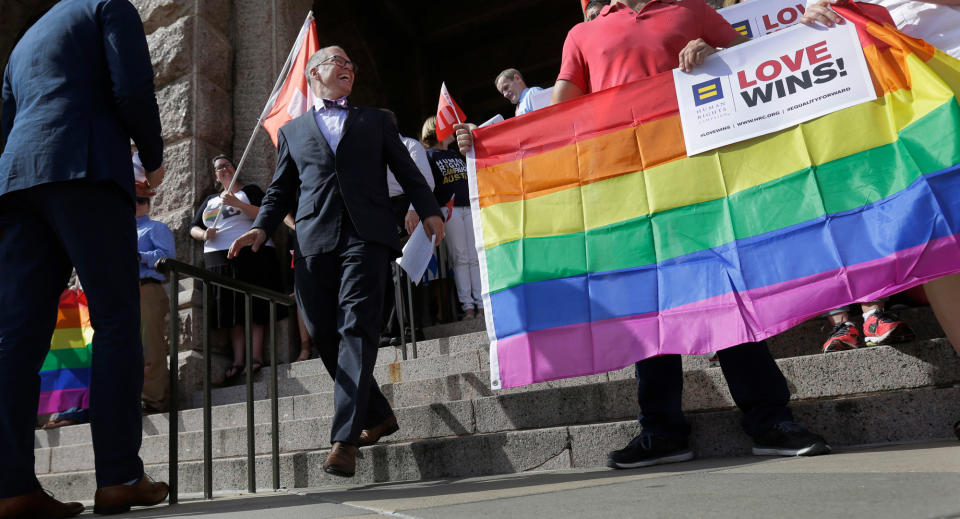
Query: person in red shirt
632, 40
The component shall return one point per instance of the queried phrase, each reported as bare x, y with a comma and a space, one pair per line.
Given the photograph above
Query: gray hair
317, 58
509, 73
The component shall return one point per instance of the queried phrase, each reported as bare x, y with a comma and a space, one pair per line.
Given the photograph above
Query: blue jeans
74, 413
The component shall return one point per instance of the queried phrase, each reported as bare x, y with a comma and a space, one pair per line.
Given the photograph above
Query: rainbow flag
602, 243
65, 374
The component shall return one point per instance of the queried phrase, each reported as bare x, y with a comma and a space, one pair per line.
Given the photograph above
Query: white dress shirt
419, 156
330, 121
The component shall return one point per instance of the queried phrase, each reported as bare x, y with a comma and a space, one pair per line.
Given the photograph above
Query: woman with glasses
219, 220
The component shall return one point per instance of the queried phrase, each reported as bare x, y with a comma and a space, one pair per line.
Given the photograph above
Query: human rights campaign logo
743, 28
707, 92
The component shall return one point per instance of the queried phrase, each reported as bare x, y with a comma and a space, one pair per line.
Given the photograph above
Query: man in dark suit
78, 86
332, 169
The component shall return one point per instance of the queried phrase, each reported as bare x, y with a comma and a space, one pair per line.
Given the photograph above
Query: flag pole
270, 100
453, 105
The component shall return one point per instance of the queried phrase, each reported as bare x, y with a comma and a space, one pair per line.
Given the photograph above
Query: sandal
233, 371
255, 367
61, 422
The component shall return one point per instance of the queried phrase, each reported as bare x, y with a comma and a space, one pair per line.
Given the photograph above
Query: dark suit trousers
340, 296
755, 381
43, 231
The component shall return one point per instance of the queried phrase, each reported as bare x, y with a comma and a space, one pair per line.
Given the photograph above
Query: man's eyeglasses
340, 62
222, 167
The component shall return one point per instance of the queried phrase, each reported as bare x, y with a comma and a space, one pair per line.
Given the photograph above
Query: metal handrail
173, 269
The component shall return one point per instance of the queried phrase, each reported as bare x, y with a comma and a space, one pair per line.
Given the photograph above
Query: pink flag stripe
63, 399
556, 353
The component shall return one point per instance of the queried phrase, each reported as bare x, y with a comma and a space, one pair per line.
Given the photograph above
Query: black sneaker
648, 449
789, 439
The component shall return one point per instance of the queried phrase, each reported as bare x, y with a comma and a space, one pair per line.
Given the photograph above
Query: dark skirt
261, 268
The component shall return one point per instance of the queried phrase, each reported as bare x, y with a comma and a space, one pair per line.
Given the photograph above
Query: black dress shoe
39, 505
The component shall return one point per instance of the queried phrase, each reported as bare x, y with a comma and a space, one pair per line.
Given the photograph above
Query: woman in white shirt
219, 220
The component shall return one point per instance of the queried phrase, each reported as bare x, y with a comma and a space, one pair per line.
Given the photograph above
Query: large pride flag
65, 375
602, 243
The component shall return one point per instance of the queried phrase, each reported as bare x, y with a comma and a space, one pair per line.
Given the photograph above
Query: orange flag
293, 97
448, 114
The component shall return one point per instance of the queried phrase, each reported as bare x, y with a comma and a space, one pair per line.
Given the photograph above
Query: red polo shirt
621, 45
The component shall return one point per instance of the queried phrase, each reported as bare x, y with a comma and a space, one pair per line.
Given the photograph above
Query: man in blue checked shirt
154, 242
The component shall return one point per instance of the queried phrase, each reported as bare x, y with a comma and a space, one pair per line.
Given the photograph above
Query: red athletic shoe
845, 336
882, 327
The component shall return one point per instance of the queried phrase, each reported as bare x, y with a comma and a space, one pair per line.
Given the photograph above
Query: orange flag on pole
448, 114
293, 97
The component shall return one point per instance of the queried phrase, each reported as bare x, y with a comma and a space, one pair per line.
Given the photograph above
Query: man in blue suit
77, 88
331, 171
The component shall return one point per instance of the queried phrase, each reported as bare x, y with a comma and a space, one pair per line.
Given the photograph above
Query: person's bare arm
697, 50
565, 90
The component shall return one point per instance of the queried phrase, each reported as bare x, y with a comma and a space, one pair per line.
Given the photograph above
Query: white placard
763, 86
759, 17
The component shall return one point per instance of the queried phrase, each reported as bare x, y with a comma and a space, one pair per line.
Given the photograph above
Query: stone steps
429, 409
469, 353
453, 424
898, 416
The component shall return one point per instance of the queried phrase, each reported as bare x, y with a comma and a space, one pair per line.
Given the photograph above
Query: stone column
192, 55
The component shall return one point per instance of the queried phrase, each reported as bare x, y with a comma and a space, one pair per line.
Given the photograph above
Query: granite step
875, 370
916, 364
897, 416
469, 353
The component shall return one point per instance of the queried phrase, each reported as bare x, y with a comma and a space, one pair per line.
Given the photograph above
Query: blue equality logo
707, 92
743, 28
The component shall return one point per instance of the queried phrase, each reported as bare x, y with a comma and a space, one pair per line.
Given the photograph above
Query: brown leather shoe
117, 499
342, 460
37, 504
373, 435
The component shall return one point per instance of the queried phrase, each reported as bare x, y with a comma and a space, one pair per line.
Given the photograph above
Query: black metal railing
175, 270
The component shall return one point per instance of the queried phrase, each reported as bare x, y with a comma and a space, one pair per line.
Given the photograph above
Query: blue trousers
44, 231
340, 296
755, 381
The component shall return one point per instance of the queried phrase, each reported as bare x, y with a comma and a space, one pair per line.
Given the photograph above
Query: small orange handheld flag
448, 114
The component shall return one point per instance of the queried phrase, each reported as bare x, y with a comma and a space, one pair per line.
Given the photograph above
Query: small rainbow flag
602, 243
65, 374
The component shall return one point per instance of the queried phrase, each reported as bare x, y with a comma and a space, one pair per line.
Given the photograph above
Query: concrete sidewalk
896, 481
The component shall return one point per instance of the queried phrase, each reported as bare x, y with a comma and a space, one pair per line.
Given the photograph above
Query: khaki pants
154, 307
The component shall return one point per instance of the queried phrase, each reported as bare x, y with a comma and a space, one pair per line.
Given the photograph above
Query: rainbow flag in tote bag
65, 374
602, 243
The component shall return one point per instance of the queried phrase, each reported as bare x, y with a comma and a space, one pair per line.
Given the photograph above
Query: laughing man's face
335, 74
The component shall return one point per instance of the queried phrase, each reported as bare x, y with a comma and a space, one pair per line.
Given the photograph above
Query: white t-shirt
419, 156
232, 224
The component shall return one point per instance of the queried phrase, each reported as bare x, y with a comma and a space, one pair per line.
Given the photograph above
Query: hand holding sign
821, 13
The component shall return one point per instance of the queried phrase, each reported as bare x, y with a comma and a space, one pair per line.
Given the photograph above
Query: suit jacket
321, 185
77, 88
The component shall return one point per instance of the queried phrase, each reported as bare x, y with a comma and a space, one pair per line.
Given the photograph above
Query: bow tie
335, 103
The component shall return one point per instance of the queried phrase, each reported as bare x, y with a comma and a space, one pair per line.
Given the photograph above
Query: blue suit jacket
78, 86
320, 185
